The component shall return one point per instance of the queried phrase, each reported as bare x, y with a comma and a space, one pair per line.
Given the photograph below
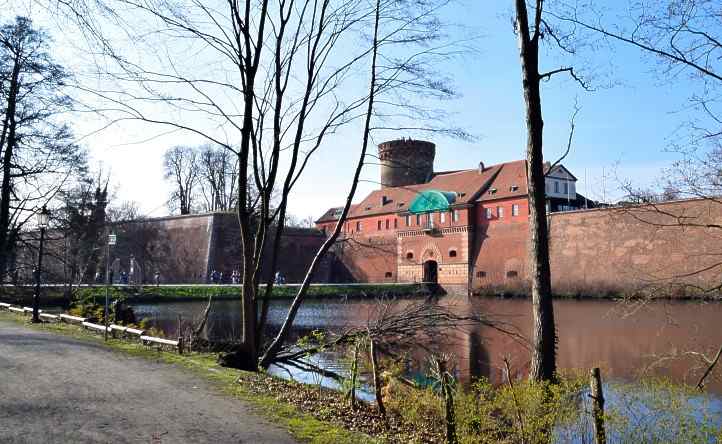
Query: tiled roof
470, 186
510, 182
333, 214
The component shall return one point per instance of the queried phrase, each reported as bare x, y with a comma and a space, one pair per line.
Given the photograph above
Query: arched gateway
431, 272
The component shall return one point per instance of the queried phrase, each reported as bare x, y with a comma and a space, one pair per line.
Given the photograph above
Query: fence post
595, 385
180, 335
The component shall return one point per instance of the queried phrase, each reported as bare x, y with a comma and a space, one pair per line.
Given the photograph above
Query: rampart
182, 249
666, 249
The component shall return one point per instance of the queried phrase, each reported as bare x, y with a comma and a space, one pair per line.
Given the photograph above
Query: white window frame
514, 209
500, 212
442, 217
455, 215
488, 213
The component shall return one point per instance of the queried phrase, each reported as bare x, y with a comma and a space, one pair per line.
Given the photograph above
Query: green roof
432, 200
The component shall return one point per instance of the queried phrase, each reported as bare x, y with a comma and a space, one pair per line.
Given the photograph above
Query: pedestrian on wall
156, 278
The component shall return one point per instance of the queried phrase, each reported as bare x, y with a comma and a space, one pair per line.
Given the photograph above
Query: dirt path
55, 389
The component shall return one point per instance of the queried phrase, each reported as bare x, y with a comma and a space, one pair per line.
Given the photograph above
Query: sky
622, 131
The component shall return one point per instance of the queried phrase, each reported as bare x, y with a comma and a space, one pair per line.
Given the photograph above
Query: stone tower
406, 162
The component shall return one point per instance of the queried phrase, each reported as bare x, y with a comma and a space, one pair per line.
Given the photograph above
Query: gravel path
55, 389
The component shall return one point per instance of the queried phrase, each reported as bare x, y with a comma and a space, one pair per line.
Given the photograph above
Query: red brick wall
500, 245
368, 258
371, 254
636, 249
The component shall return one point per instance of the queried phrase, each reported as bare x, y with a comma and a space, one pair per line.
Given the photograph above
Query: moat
621, 338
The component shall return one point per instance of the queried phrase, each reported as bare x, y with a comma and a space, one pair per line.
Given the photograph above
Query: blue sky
621, 132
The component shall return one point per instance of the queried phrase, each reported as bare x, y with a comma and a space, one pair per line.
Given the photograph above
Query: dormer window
513, 188
492, 191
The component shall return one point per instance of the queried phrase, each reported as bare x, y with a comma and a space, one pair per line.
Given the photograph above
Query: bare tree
37, 150
181, 167
218, 179
274, 95
543, 365
530, 34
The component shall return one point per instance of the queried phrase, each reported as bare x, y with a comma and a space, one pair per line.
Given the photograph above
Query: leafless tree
275, 92
543, 365
181, 167
218, 179
530, 33
37, 149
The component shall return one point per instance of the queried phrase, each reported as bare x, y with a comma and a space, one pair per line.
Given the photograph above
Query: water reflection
591, 333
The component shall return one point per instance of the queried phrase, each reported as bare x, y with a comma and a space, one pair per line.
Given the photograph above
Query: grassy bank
56, 295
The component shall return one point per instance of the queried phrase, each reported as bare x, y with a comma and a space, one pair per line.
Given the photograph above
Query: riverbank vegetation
58, 295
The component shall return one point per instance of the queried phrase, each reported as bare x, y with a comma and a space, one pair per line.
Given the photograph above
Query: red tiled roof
333, 214
510, 182
469, 185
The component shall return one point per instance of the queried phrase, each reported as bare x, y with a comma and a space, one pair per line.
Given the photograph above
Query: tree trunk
543, 363
7, 146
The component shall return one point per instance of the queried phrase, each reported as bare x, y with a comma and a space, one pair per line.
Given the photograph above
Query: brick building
467, 227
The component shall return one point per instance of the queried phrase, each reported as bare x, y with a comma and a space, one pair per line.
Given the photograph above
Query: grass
173, 293
302, 426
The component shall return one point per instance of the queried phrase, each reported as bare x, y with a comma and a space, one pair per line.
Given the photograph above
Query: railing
112, 329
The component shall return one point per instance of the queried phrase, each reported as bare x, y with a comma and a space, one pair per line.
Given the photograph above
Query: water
620, 338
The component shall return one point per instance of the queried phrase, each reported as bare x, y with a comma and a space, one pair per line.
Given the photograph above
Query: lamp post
111, 241
43, 219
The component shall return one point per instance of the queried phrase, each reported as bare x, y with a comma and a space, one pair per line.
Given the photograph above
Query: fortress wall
654, 248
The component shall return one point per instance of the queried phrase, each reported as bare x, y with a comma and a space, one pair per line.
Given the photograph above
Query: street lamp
111, 241
43, 219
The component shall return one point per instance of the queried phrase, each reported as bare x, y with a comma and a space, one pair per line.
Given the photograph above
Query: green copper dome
432, 200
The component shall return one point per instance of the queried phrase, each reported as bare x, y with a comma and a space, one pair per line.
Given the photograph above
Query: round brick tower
406, 162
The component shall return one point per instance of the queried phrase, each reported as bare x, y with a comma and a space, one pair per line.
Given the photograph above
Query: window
488, 213
418, 220
358, 225
378, 225
431, 219
408, 220
452, 253
389, 274
481, 274
512, 274
514, 209
410, 255
566, 187
396, 224
556, 187
387, 224
455, 215
442, 217
500, 212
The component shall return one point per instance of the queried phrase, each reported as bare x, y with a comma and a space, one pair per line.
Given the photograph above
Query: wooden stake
377, 378
180, 335
595, 385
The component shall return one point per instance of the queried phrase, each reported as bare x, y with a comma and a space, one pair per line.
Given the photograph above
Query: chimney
481, 167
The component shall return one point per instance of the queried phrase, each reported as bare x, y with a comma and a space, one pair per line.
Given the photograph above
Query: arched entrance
431, 272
